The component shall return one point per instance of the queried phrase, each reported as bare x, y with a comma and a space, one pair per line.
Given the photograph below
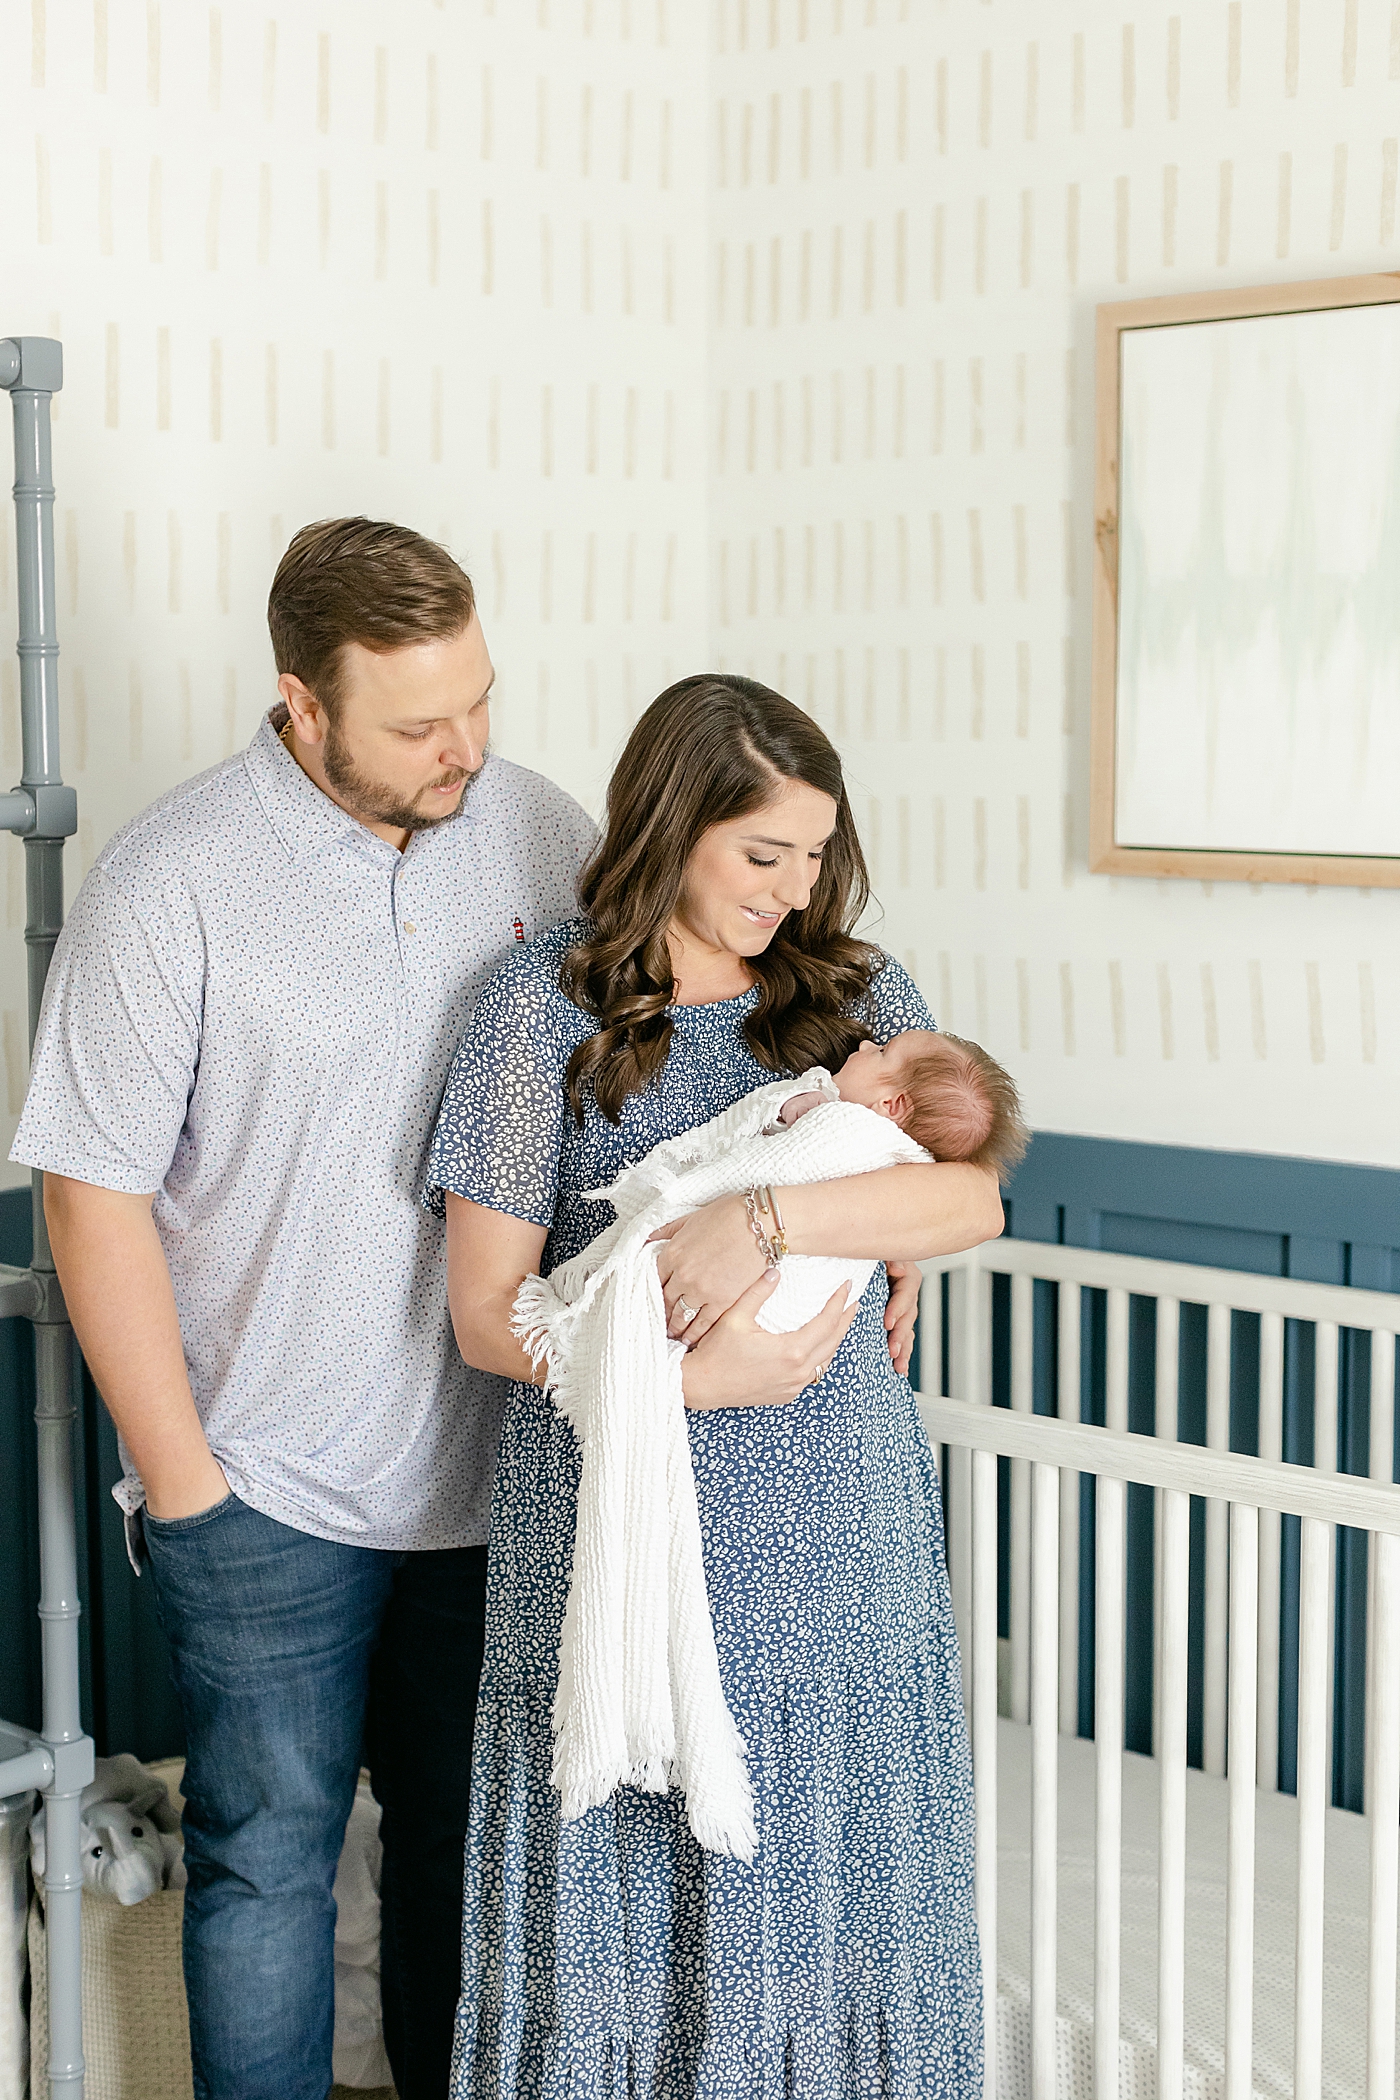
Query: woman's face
744, 877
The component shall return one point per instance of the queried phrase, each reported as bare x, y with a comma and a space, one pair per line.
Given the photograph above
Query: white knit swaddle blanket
639, 1700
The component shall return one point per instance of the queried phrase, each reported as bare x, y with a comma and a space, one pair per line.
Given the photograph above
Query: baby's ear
896, 1106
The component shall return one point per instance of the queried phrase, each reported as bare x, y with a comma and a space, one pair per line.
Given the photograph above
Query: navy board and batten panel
127, 1696
1313, 1219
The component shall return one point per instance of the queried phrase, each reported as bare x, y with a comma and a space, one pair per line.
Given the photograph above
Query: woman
611, 1958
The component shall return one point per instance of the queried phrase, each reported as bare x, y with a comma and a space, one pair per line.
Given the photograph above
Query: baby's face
873, 1076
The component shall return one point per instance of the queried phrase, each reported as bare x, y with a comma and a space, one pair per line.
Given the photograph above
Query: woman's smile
760, 918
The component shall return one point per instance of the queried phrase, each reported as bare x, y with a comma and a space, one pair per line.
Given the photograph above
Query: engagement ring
687, 1312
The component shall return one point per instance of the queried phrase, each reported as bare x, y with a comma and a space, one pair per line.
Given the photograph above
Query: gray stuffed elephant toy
131, 1842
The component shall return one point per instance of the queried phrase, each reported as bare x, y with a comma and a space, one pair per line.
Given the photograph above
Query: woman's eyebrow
754, 838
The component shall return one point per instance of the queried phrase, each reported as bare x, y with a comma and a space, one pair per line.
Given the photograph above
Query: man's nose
461, 750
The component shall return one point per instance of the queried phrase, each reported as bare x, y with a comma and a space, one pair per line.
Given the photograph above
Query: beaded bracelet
773, 1246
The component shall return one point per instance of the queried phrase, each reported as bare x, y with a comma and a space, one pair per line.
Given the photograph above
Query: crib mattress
1345, 1940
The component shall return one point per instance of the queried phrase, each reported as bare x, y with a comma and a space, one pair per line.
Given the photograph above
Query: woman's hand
739, 1364
708, 1262
902, 1311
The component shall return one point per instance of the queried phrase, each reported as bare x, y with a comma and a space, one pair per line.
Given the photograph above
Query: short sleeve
117, 1051
502, 1117
896, 1003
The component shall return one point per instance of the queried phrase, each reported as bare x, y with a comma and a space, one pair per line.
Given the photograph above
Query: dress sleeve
895, 1003
502, 1117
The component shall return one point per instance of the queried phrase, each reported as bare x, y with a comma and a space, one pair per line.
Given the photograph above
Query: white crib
1169, 1931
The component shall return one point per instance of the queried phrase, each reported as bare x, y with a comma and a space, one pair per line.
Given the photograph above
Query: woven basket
136, 2031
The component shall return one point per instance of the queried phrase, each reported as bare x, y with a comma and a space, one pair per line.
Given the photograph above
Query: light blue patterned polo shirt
251, 1014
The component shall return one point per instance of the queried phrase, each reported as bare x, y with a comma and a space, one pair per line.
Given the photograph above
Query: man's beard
374, 802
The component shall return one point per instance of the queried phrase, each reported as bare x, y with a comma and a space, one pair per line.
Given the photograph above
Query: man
248, 1026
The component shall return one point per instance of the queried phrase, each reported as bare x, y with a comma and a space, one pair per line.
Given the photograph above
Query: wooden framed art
1246, 600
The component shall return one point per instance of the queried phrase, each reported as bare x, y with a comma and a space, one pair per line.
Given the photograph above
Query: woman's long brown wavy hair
710, 749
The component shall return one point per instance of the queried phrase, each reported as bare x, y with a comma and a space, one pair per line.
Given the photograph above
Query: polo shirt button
409, 927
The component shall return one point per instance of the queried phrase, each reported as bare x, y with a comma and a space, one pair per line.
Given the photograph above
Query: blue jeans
292, 1656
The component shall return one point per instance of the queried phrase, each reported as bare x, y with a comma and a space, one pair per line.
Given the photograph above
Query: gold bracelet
768, 1203
772, 1246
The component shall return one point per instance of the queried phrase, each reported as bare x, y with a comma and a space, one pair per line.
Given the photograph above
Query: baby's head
948, 1095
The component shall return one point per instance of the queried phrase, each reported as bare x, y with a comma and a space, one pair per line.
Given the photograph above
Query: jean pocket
171, 1527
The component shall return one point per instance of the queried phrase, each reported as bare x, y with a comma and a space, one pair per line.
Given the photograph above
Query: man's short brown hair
357, 580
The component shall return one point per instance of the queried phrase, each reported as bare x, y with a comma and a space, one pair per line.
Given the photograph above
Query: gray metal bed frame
43, 812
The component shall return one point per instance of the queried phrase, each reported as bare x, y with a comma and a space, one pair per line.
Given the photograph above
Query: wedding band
687, 1312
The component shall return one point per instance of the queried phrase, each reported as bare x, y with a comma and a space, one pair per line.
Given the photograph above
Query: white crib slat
1069, 1407
931, 1333
1022, 1343
1381, 1468
1116, 1369
1069, 1558
1270, 1551
1217, 1522
1239, 1886
1022, 1400
1045, 1524
1171, 1875
1314, 1699
1384, 1809
1167, 1384
1382, 1406
1069, 1602
984, 1741
1164, 1424
972, 1297
1068, 1358
1109, 1610
1325, 1398
1325, 1461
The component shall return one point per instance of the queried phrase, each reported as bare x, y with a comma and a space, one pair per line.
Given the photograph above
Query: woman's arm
908, 1213
903, 1213
489, 1255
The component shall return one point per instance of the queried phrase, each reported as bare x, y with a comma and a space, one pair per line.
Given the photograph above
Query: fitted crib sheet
1345, 1940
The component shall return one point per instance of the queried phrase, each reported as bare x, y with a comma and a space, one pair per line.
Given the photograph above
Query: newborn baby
954, 1101
639, 1700
948, 1095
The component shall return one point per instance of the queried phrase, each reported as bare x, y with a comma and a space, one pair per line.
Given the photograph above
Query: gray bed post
44, 813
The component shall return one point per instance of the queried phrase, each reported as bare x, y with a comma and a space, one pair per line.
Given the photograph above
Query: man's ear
308, 715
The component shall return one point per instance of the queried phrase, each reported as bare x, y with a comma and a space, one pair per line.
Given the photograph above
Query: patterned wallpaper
756, 331
439, 262
917, 205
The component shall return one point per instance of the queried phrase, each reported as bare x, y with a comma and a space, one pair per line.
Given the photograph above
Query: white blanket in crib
639, 1700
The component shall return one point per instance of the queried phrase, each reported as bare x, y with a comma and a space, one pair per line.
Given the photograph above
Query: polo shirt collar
307, 821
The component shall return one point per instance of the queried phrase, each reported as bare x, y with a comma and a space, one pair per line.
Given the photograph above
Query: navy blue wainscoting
128, 1698
1272, 1216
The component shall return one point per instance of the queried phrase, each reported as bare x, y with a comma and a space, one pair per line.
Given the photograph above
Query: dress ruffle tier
842, 1965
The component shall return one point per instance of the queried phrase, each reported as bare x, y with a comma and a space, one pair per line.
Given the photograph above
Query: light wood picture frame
1246, 703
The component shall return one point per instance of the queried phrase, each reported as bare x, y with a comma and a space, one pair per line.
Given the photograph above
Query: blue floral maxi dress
612, 1959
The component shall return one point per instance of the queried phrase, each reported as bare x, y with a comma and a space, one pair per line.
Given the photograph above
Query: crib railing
1249, 1490
1246, 1498
1330, 1312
